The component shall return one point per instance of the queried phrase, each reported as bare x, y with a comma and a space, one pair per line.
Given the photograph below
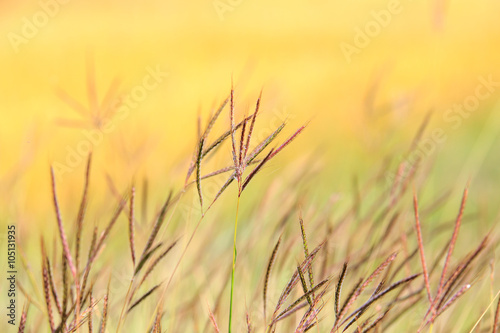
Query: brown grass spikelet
270, 265
46, 288
131, 217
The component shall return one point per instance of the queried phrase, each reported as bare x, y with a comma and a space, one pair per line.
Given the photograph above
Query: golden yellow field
383, 86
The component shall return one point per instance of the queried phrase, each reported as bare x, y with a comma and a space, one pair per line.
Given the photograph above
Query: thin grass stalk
234, 258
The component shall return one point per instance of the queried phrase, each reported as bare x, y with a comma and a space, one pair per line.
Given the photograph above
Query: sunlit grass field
400, 103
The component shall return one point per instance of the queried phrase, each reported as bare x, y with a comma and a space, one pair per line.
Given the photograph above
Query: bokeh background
363, 108
428, 57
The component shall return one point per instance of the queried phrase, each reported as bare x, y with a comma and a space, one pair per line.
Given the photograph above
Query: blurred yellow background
427, 55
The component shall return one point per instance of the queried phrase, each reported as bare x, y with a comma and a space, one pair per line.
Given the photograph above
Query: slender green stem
234, 264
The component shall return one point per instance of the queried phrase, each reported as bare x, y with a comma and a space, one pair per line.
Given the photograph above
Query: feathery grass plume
62, 234
81, 213
146, 257
92, 301
310, 317
204, 136
457, 273
155, 262
156, 228
346, 302
306, 250
53, 286
198, 172
81, 319
288, 141
421, 249
270, 265
24, 317
102, 328
379, 294
64, 272
377, 321
305, 296
233, 140
452, 242
338, 290
304, 285
157, 324
452, 300
365, 284
90, 257
217, 172
403, 263
131, 225
263, 145
105, 233
143, 297
240, 161
252, 124
114, 190
254, 171
294, 280
217, 142
496, 321
46, 288
242, 141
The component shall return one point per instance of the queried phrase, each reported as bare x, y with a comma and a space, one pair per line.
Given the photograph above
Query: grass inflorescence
369, 268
